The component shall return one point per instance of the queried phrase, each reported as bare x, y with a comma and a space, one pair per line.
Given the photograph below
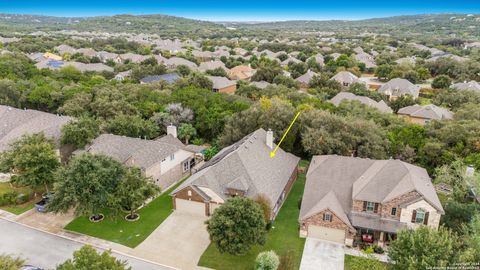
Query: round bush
267, 260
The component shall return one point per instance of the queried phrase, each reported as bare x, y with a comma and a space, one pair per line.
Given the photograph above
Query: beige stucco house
166, 160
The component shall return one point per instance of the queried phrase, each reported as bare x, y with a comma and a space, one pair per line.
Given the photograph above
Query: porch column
381, 239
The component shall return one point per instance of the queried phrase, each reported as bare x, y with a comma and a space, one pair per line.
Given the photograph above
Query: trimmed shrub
267, 260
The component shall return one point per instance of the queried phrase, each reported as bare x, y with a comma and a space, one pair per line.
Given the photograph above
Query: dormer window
172, 156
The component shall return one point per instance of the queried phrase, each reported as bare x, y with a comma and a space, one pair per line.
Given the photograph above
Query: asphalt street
46, 250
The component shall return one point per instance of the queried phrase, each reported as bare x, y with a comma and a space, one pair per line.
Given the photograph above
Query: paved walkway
319, 254
46, 250
179, 241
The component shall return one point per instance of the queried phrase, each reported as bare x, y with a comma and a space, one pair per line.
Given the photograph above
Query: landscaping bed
283, 238
128, 233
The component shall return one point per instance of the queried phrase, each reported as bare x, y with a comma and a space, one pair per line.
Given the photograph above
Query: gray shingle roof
333, 182
142, 153
381, 105
467, 86
429, 111
14, 123
221, 82
305, 78
345, 77
399, 87
246, 163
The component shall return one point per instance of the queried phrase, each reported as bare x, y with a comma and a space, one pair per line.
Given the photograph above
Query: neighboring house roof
427, 112
87, 52
132, 57
399, 87
307, 77
367, 59
241, 72
177, 61
122, 75
261, 84
381, 105
467, 86
447, 55
139, 152
333, 182
104, 56
97, 67
62, 49
246, 165
169, 77
221, 82
210, 65
345, 77
290, 59
15, 123
407, 60
52, 56
319, 59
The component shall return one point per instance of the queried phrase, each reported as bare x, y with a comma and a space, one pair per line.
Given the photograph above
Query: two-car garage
325, 233
188, 206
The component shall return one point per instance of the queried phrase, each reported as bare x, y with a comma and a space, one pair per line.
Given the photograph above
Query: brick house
349, 200
223, 85
166, 160
242, 169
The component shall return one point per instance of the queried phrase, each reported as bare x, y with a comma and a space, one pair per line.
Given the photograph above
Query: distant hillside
160, 24
458, 25
434, 24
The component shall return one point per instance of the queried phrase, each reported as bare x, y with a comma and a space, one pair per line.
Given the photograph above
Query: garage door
329, 234
191, 207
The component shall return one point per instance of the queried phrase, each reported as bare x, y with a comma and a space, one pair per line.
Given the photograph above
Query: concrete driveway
319, 254
179, 241
47, 250
48, 222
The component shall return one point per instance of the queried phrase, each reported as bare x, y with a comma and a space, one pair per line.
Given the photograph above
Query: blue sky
246, 10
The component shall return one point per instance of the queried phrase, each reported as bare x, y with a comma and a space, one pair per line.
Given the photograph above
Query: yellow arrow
272, 154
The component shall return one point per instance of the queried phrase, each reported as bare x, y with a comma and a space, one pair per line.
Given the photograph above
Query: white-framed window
394, 211
189, 193
172, 156
420, 216
370, 206
186, 166
327, 217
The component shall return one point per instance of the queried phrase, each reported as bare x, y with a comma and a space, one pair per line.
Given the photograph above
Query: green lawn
362, 263
125, 232
282, 238
21, 208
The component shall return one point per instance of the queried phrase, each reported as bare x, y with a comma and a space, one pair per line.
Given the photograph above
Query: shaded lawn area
21, 208
282, 238
362, 263
118, 230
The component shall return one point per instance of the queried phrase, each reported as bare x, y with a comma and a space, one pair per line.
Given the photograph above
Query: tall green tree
80, 132
237, 225
423, 248
88, 184
88, 258
132, 126
134, 189
186, 132
33, 161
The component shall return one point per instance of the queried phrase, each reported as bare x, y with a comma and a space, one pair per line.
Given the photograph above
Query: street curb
86, 243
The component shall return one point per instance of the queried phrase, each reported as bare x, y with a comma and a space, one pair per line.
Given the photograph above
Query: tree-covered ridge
160, 24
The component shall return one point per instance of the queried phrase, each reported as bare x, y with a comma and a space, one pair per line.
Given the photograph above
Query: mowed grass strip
117, 229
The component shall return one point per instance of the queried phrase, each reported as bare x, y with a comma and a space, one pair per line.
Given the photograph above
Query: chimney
269, 139
172, 130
